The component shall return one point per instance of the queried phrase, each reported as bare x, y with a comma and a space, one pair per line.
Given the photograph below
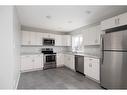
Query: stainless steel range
49, 58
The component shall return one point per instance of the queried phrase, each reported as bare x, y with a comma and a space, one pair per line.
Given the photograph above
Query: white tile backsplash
35, 49
93, 50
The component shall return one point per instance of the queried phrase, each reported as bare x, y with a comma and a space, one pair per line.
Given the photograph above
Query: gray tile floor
59, 78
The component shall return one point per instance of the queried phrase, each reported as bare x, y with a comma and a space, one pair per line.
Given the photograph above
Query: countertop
82, 54
30, 53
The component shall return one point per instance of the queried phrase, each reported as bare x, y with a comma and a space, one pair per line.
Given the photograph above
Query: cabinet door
97, 41
71, 62
86, 65
48, 35
122, 19
38, 61
95, 72
25, 38
109, 23
60, 59
66, 40
92, 68
39, 38
26, 62
68, 43
33, 38
86, 37
52, 36
92, 36
58, 40
66, 60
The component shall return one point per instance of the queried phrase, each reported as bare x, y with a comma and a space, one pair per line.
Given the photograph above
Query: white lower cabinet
92, 68
65, 59
38, 60
60, 59
26, 62
69, 61
29, 62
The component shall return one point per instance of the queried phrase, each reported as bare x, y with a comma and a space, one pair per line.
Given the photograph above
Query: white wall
9, 48
17, 47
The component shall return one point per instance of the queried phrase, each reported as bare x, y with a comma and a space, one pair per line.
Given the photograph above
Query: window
77, 43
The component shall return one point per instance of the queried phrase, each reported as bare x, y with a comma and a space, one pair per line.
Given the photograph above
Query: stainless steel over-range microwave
48, 42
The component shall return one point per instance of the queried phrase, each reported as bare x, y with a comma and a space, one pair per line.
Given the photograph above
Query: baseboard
60, 65
93, 79
23, 71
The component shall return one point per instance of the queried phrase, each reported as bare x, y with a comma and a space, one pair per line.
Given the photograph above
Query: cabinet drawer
93, 60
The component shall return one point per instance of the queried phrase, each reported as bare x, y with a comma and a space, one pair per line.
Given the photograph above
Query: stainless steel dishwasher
79, 63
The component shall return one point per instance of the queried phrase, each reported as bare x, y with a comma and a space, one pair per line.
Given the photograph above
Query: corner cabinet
63, 40
31, 62
92, 68
116, 21
92, 36
66, 40
69, 61
60, 59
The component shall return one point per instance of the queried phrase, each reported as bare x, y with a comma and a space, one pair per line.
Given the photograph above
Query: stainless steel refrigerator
114, 60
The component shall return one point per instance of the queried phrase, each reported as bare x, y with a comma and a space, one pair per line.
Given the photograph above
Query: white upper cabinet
66, 40
109, 23
69, 40
35, 38
116, 21
39, 38
48, 35
26, 38
32, 38
92, 36
122, 19
62, 40
58, 40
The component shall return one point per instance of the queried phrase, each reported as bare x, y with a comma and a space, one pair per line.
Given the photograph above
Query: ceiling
65, 18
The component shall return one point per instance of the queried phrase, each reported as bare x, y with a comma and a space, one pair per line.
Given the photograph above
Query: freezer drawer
115, 41
114, 70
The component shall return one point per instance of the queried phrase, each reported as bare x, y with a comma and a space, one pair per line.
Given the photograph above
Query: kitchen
72, 55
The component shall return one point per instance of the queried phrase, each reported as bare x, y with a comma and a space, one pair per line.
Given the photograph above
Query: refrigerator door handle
102, 48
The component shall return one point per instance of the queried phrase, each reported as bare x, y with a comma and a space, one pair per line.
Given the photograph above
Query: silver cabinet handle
29, 42
90, 64
33, 60
115, 22
90, 59
118, 20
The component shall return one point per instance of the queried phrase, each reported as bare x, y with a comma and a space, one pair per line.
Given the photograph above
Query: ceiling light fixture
87, 12
59, 27
48, 17
69, 21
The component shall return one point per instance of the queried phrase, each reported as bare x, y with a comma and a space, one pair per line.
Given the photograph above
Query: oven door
50, 58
